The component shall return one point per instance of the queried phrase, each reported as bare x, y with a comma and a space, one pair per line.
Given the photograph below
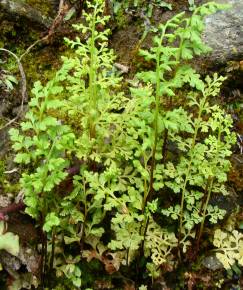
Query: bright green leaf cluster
123, 146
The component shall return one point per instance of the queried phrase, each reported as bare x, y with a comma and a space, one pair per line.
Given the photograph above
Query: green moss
2, 169
44, 6
6, 182
13, 188
121, 19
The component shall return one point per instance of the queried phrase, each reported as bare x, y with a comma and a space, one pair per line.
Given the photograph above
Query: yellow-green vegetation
140, 8
45, 7
2, 169
8, 241
230, 247
127, 198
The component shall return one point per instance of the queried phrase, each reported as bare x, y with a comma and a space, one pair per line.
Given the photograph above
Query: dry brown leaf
112, 262
129, 286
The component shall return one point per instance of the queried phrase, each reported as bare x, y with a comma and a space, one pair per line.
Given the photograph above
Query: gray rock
224, 32
9, 262
21, 9
3, 141
212, 263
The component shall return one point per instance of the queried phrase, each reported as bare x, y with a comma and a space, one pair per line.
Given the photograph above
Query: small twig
237, 159
33, 45
61, 2
144, 237
23, 87
62, 10
240, 142
56, 22
53, 244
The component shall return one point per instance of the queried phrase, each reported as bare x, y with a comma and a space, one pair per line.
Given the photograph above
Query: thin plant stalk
156, 113
92, 79
211, 181
188, 172
205, 209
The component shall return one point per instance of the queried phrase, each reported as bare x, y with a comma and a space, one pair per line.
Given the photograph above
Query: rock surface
224, 32
212, 263
24, 10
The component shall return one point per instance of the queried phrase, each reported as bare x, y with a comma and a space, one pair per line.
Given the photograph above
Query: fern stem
188, 172
43, 254
185, 185
92, 79
211, 180
156, 114
82, 231
53, 244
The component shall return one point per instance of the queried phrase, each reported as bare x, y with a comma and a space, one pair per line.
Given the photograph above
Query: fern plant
150, 124
48, 145
229, 247
44, 143
120, 144
92, 111
204, 164
171, 74
94, 103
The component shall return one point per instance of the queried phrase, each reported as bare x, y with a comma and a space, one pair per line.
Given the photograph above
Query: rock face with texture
20, 9
224, 32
